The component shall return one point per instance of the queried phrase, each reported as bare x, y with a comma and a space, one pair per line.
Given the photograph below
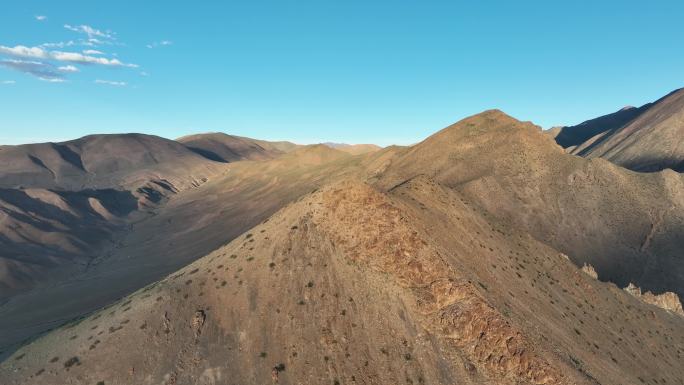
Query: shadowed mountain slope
649, 138
573, 136
61, 203
352, 285
651, 142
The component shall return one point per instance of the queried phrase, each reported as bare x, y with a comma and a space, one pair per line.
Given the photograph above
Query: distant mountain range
648, 138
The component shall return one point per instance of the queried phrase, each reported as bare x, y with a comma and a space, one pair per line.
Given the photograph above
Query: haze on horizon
384, 73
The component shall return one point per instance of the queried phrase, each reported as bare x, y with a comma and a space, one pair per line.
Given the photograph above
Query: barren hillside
352, 285
627, 225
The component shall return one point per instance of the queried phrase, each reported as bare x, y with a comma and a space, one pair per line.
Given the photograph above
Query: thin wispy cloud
160, 44
8, 82
53, 80
111, 83
90, 31
73, 57
92, 52
41, 17
59, 44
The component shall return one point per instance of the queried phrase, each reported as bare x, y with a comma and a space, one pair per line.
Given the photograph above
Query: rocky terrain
484, 254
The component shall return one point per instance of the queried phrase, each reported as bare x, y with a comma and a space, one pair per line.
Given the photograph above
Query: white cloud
143, 73
73, 57
59, 44
93, 52
68, 68
111, 83
22, 51
41, 17
90, 31
8, 82
162, 43
53, 80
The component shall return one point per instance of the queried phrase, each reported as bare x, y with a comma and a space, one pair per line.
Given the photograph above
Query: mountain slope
226, 148
627, 225
187, 226
573, 136
651, 142
62, 203
649, 138
354, 285
354, 149
102, 161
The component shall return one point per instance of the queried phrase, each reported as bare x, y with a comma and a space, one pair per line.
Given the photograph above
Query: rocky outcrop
668, 300
589, 270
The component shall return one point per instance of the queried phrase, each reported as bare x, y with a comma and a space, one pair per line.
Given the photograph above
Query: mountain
354, 285
353, 149
62, 203
226, 148
646, 139
483, 254
101, 161
626, 225
573, 136
185, 226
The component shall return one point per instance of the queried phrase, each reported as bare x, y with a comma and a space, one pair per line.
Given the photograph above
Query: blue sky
310, 71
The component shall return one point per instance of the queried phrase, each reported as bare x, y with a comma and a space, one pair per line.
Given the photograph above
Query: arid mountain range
489, 253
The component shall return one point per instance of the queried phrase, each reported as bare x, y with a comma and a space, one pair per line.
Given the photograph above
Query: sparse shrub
71, 362
263, 354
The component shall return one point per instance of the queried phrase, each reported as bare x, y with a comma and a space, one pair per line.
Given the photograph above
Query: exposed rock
667, 300
589, 270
